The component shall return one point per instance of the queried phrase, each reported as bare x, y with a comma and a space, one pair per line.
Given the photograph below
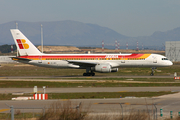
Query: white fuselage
153, 60
104, 63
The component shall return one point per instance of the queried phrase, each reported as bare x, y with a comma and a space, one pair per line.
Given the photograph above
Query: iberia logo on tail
22, 44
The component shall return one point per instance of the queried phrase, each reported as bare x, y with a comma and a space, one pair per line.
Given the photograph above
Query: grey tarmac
90, 89
77, 76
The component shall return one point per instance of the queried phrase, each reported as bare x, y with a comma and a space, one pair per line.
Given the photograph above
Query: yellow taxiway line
2, 110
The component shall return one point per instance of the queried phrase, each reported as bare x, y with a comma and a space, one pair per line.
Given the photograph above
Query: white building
172, 50
6, 59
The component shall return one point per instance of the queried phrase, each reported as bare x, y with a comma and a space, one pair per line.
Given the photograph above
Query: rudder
25, 47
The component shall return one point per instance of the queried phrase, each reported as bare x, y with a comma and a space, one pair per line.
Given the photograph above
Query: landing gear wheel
84, 74
152, 74
93, 74
88, 74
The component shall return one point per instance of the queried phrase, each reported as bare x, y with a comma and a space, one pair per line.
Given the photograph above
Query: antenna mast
42, 38
17, 28
103, 46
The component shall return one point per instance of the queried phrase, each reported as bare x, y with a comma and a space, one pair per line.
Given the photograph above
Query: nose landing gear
153, 71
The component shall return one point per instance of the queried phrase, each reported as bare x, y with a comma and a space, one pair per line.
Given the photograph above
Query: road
32, 77
90, 89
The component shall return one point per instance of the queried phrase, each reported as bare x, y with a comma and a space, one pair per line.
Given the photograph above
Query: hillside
73, 33
71, 49
61, 33
54, 49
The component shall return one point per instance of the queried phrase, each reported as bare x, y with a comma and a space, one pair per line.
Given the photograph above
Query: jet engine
104, 68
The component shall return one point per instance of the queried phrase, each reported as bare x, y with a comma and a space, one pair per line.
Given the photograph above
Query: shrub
63, 111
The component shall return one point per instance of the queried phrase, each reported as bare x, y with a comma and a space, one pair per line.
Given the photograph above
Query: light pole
44, 87
42, 38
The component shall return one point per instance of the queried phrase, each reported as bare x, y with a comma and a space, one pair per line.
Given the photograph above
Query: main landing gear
152, 73
91, 73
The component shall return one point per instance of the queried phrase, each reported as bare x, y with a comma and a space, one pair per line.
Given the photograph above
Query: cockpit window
164, 59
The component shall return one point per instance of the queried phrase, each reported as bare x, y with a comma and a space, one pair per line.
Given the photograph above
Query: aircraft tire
93, 74
84, 74
152, 74
88, 74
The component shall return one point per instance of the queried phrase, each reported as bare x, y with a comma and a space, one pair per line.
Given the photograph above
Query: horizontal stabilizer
17, 58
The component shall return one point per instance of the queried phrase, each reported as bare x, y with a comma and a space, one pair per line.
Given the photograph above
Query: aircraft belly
114, 64
63, 64
52, 63
131, 63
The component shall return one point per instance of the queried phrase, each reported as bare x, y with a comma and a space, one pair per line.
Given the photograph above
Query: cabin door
154, 60
40, 59
122, 60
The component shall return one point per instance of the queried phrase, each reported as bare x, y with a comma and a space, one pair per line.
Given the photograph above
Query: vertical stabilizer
25, 47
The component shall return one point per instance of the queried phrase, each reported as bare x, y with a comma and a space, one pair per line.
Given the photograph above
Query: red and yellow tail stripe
89, 57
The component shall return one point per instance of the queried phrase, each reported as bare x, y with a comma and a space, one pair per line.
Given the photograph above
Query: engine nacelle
103, 68
114, 69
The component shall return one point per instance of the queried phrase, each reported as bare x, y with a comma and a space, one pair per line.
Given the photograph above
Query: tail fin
25, 47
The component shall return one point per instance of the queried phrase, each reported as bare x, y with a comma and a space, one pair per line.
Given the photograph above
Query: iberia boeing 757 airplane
104, 63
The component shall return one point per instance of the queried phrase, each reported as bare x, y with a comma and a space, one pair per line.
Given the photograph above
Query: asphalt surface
32, 77
90, 89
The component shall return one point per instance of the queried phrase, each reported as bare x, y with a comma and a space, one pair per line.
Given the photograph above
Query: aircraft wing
22, 59
82, 63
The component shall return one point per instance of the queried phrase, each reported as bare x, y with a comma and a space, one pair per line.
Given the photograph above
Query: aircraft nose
170, 63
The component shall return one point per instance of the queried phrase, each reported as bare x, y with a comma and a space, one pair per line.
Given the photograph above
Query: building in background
172, 50
6, 59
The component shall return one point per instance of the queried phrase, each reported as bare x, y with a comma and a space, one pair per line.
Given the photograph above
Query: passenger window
164, 59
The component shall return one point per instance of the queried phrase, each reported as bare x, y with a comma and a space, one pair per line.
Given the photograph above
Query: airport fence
151, 113
30, 112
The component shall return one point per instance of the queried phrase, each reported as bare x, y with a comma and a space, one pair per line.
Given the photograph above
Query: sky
128, 17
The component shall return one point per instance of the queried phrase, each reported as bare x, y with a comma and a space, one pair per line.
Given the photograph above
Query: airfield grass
19, 69
114, 79
31, 84
90, 95
20, 116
